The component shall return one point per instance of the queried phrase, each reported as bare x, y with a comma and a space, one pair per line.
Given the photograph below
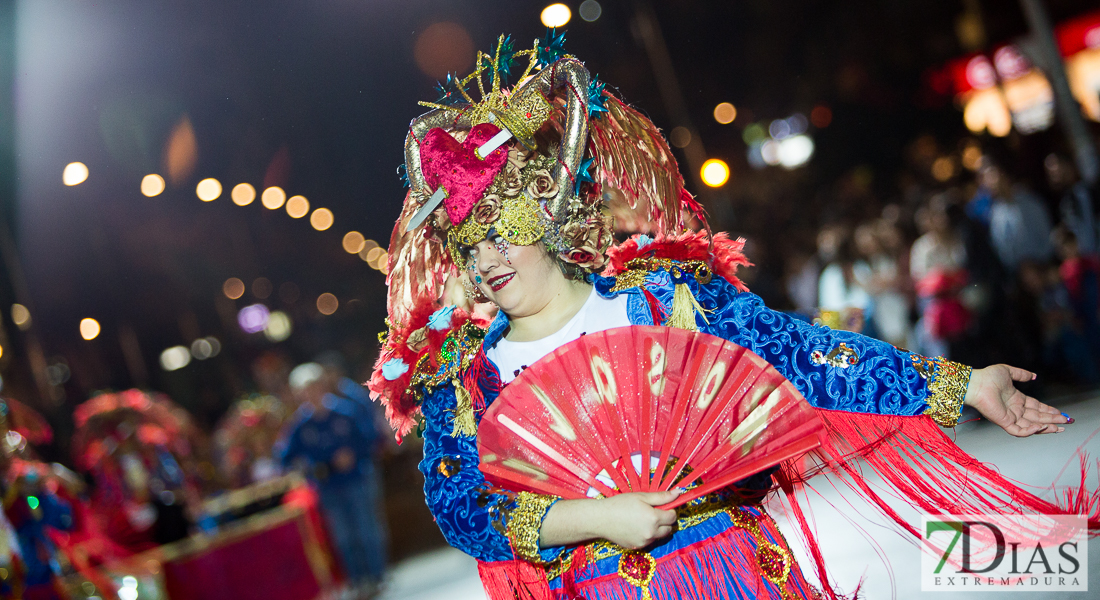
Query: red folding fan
643, 409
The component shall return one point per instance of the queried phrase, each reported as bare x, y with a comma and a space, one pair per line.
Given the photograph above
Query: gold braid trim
684, 304
465, 423
946, 391
525, 522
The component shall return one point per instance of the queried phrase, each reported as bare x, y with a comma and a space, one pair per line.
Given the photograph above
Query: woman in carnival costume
512, 198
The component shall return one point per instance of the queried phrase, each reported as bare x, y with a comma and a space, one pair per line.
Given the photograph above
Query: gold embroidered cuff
946, 391
525, 522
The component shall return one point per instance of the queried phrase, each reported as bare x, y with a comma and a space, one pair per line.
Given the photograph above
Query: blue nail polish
1069, 419
477, 278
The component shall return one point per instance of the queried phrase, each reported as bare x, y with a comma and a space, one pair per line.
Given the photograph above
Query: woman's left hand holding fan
629, 520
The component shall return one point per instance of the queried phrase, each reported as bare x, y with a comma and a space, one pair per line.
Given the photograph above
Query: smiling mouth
497, 283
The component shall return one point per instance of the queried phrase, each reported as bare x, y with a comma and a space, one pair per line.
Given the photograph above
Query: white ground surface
450, 575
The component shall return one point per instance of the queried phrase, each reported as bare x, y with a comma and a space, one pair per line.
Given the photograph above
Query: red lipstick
497, 283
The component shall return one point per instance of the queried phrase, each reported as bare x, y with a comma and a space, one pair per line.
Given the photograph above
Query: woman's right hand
629, 520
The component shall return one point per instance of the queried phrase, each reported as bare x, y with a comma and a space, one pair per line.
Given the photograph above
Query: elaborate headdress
556, 159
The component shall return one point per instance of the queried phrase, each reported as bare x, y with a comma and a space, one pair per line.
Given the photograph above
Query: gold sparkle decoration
449, 466
522, 112
525, 522
521, 222
638, 569
946, 389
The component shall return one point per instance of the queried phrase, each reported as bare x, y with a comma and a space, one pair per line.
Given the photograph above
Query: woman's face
521, 280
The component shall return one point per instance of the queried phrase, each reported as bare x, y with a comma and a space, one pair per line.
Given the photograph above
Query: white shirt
597, 314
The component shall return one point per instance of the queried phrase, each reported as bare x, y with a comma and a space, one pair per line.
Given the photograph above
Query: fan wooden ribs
642, 409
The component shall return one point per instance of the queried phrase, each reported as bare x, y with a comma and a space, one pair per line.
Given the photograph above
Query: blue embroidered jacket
868, 376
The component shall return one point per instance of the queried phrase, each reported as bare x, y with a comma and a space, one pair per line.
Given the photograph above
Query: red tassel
656, 309
931, 473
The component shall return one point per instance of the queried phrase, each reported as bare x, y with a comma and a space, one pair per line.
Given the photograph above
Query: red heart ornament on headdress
457, 168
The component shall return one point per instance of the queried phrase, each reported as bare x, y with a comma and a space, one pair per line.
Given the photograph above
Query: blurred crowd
149, 476
974, 263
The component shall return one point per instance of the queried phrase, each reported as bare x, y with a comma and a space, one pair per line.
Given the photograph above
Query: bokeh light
75, 173
443, 48
89, 328
152, 185
253, 318
754, 134
715, 172
208, 189
20, 316
944, 168
795, 151
321, 219
972, 157
181, 151
769, 150
590, 10
368, 246
327, 303
262, 288
297, 207
725, 113
273, 198
174, 358
204, 348
380, 260
278, 327
373, 254
233, 288
556, 15
680, 137
821, 116
201, 349
243, 194
353, 242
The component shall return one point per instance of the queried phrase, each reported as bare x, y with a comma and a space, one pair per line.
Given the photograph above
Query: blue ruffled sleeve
835, 370
469, 512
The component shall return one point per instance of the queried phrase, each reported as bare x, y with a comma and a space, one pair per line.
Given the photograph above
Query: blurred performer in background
32, 507
507, 200
333, 439
246, 437
134, 444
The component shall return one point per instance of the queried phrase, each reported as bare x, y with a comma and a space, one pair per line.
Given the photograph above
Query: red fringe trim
723, 255
513, 580
930, 472
923, 467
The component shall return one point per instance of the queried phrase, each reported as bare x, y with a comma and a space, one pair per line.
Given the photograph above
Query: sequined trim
841, 357
454, 356
947, 385
638, 268
525, 522
449, 466
637, 569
